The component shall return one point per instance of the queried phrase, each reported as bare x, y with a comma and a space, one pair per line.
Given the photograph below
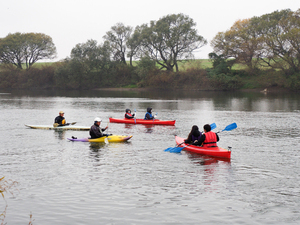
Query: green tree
117, 37
91, 56
134, 44
170, 39
280, 33
240, 42
26, 48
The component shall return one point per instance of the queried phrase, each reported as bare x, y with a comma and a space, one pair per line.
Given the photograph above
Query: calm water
60, 182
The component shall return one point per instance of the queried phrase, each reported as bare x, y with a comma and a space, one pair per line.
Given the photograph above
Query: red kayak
142, 121
211, 151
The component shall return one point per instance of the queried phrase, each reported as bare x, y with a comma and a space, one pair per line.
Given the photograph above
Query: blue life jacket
150, 115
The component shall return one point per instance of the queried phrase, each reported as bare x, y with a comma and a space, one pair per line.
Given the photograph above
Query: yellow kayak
111, 138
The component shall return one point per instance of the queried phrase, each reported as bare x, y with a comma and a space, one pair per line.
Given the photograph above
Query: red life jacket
128, 114
210, 139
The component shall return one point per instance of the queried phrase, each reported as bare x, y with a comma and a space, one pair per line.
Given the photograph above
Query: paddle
229, 127
105, 139
178, 149
134, 115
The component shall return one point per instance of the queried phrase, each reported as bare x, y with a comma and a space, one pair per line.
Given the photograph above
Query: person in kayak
96, 131
194, 135
128, 114
60, 120
148, 115
209, 138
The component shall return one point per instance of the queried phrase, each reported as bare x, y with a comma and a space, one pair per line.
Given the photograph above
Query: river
60, 182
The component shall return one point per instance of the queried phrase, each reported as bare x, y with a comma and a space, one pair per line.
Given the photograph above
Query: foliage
117, 38
23, 79
293, 82
168, 40
6, 186
225, 82
271, 40
26, 48
145, 66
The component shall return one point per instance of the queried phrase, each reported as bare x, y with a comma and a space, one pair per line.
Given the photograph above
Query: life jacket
150, 115
210, 139
128, 115
63, 122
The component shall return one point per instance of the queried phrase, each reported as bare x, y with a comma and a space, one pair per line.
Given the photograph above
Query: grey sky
70, 22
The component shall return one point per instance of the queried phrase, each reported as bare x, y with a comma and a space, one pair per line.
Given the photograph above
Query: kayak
111, 138
50, 127
210, 151
142, 121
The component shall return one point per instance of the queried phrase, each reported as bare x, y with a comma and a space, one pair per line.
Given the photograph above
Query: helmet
97, 119
61, 112
127, 110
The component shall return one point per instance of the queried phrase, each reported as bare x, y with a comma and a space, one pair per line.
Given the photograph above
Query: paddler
60, 120
148, 115
209, 138
194, 135
96, 131
128, 114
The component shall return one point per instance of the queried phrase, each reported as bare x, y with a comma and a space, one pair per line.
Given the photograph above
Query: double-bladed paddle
178, 149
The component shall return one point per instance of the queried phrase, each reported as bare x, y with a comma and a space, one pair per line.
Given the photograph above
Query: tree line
151, 54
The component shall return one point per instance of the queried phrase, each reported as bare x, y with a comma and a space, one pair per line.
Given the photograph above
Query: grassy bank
193, 75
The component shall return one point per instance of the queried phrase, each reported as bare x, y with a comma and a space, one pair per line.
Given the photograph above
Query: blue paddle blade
174, 149
230, 127
213, 126
168, 149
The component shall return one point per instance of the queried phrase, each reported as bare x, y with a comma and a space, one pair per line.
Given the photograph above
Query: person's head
128, 111
61, 113
97, 121
149, 110
207, 128
195, 131
194, 128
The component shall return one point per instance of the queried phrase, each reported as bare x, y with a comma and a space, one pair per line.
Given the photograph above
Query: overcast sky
69, 22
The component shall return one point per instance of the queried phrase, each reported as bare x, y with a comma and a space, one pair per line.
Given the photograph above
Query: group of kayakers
195, 137
207, 139
96, 131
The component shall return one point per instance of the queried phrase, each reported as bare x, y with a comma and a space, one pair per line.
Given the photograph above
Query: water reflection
60, 134
213, 166
231, 101
96, 146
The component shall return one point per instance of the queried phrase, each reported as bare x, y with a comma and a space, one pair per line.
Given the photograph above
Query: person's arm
217, 137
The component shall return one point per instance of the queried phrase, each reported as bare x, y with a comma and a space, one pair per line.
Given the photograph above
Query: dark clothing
192, 138
96, 131
129, 116
61, 121
204, 139
194, 135
148, 115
